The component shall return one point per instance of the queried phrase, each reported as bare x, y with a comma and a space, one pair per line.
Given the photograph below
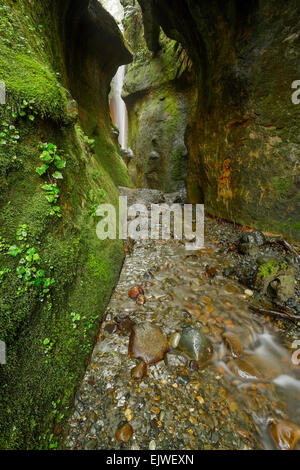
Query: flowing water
228, 403
118, 107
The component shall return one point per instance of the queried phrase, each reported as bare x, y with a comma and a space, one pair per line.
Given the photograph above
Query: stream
242, 394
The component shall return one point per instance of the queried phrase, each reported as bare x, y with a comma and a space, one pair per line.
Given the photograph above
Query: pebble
249, 293
152, 445
174, 340
124, 434
174, 359
139, 371
129, 414
285, 434
125, 325
111, 328
148, 342
141, 299
135, 292
195, 345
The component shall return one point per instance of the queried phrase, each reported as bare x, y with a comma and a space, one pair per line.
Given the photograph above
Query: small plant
89, 143
75, 319
9, 135
3, 273
26, 109
48, 347
271, 268
48, 156
28, 268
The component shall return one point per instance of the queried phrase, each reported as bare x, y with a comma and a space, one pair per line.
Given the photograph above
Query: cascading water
118, 107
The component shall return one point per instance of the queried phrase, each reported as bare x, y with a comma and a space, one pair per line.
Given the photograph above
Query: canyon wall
243, 137
59, 159
158, 92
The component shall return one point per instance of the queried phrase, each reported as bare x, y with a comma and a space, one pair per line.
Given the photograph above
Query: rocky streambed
181, 362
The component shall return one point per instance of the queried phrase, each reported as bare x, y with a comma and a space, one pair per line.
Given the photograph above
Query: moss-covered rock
158, 94
56, 276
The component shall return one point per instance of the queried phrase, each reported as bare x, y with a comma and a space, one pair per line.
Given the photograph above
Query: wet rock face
195, 345
244, 95
148, 342
158, 101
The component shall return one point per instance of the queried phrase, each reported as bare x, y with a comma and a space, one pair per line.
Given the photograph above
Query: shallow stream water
249, 383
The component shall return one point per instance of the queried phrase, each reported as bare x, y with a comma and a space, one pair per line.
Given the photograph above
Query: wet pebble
174, 359
152, 445
124, 434
139, 371
135, 292
285, 434
148, 342
195, 345
111, 328
125, 325
174, 340
141, 299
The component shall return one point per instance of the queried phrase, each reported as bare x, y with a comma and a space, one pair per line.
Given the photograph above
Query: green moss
282, 186
84, 268
25, 77
271, 268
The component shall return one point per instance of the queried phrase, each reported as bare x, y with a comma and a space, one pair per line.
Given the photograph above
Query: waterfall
118, 107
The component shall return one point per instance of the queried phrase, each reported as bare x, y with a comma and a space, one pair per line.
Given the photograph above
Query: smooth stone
124, 434
285, 434
111, 328
139, 371
126, 325
174, 340
152, 445
135, 292
253, 367
233, 344
148, 342
195, 345
174, 359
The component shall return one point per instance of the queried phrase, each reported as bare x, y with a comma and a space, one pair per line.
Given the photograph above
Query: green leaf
21, 270
31, 117
59, 163
46, 341
14, 251
57, 175
42, 170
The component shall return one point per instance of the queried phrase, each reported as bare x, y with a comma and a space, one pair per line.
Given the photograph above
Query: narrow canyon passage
110, 342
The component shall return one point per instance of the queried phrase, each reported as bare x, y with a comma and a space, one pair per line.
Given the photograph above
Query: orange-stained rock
135, 292
124, 434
